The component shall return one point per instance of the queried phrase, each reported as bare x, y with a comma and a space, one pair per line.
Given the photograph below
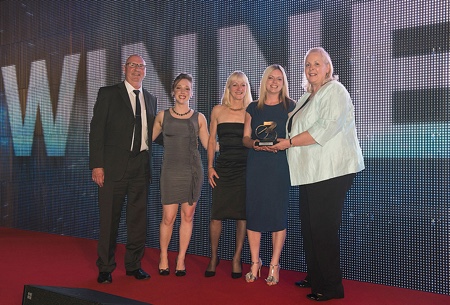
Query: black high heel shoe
236, 275
164, 271
179, 272
209, 273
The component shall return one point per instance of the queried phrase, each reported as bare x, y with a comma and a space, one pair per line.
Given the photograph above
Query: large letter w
55, 128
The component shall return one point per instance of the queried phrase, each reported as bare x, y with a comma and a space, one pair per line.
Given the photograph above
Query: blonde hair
326, 59
236, 76
284, 93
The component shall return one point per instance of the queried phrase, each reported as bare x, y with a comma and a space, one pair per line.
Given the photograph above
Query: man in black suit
120, 159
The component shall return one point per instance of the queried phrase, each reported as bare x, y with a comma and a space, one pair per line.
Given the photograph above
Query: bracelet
290, 142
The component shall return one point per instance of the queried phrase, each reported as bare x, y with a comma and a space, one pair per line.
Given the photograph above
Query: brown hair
181, 76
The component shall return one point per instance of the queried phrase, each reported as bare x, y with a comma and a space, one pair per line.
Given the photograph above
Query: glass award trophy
266, 134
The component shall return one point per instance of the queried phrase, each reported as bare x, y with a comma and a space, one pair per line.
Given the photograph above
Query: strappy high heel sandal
250, 277
271, 279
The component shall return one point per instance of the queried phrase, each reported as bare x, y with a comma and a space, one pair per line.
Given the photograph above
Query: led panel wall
393, 57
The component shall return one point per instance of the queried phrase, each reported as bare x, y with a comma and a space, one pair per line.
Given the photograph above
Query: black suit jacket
112, 127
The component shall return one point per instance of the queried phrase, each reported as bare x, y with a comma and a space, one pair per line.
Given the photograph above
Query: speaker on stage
45, 295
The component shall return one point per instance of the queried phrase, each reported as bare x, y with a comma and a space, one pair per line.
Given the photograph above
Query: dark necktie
137, 125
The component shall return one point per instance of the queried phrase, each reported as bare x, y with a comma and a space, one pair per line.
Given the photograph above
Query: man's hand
98, 176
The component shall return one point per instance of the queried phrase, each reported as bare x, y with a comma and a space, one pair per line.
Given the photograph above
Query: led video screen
392, 56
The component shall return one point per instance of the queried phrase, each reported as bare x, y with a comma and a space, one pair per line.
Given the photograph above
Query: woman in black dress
227, 177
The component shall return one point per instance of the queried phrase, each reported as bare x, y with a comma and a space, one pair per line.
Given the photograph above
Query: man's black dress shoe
303, 284
320, 297
104, 278
317, 297
139, 274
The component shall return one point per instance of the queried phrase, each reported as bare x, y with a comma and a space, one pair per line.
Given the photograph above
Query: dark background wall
393, 56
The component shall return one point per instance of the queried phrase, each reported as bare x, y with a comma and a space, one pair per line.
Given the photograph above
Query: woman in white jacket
324, 156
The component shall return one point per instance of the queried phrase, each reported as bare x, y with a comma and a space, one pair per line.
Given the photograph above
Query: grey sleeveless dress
182, 171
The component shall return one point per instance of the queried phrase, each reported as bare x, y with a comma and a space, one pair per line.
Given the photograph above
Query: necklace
180, 114
235, 109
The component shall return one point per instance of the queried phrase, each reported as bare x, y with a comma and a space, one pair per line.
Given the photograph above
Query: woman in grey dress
182, 171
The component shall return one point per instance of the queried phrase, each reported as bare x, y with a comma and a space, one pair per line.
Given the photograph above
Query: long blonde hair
284, 93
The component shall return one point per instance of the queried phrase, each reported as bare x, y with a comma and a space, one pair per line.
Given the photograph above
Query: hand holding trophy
266, 134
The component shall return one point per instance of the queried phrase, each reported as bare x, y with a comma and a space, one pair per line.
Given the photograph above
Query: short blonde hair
326, 59
236, 76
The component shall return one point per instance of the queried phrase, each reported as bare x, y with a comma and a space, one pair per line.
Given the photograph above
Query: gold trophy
266, 134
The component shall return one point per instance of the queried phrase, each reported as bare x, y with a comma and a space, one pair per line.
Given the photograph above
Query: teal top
329, 119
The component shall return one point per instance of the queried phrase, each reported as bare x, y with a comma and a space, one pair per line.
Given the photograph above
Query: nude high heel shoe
271, 279
250, 277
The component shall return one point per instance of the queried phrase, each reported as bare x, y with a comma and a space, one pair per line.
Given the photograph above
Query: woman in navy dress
268, 179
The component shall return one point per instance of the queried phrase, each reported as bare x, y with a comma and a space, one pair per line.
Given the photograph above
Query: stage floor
34, 258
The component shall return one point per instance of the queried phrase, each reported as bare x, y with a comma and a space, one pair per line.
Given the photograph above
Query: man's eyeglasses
135, 65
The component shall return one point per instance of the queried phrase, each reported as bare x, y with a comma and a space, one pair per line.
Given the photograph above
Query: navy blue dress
268, 181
